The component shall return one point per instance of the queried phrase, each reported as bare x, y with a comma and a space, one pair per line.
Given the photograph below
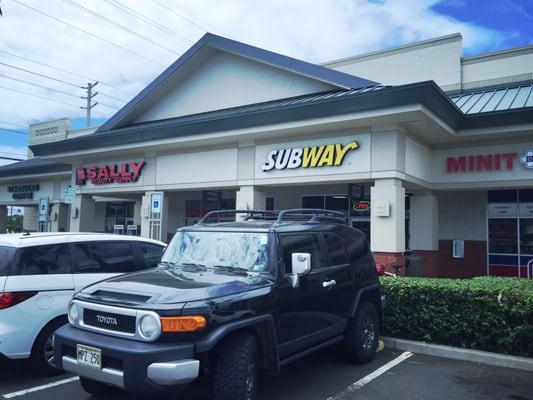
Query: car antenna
26, 232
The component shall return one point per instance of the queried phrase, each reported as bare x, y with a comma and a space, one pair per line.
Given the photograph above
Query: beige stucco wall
462, 215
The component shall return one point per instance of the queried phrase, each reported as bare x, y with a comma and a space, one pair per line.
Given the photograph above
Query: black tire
236, 373
97, 389
42, 353
362, 334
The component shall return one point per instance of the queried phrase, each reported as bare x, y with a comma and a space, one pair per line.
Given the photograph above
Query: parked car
231, 300
39, 273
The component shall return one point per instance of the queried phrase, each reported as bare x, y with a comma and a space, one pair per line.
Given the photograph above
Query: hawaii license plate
90, 356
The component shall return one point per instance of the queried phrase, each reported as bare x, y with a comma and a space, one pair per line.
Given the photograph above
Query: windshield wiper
234, 270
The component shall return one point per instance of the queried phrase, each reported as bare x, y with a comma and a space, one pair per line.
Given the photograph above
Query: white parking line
39, 388
370, 377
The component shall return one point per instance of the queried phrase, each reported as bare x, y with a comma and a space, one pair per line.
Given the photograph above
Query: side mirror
301, 265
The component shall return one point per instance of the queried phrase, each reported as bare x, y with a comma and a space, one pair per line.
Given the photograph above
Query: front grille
69, 352
109, 321
113, 363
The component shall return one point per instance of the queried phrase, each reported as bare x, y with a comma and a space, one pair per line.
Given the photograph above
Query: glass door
510, 233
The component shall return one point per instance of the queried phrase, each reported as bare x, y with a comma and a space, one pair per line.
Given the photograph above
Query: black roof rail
257, 214
312, 215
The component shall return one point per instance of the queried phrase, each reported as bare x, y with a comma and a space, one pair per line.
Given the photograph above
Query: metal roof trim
280, 111
310, 70
33, 166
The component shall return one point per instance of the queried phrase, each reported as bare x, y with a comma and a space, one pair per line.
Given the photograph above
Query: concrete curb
457, 353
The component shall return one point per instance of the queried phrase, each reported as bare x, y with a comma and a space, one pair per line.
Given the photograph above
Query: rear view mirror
301, 265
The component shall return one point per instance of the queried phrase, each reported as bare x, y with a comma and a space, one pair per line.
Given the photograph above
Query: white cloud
317, 31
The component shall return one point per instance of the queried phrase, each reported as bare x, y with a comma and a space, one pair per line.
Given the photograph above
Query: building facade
428, 153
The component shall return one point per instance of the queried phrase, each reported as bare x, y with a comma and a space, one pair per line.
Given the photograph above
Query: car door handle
329, 283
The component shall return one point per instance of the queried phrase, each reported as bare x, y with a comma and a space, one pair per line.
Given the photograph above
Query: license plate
89, 356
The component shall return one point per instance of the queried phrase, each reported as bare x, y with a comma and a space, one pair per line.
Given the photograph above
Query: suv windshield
6, 255
243, 250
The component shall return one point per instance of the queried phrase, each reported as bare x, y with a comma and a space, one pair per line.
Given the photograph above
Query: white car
39, 273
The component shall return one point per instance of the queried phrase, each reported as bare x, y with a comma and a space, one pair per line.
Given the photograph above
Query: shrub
485, 313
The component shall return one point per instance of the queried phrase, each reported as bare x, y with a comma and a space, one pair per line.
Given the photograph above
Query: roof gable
292, 77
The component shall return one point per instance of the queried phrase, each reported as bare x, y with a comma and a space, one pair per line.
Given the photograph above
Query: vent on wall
46, 131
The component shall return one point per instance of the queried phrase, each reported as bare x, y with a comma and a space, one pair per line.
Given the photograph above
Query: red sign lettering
487, 162
105, 174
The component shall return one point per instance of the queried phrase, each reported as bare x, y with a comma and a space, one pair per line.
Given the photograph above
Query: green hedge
485, 313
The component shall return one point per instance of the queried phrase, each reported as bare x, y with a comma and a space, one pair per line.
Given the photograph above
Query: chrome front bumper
104, 375
171, 373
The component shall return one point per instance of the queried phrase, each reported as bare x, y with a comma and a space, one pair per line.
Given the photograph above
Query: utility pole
89, 99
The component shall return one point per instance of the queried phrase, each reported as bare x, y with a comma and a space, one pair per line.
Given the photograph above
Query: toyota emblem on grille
106, 320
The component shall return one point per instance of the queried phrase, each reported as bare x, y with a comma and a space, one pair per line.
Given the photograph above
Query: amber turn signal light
183, 324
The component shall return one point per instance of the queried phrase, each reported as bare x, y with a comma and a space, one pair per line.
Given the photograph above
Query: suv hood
167, 285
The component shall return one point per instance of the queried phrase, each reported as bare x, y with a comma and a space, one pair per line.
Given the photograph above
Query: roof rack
252, 214
309, 215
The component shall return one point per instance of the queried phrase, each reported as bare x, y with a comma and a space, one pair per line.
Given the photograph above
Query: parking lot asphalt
325, 376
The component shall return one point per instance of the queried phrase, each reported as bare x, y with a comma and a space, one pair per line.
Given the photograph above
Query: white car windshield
242, 250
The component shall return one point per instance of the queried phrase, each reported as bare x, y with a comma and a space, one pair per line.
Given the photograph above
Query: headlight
149, 327
73, 314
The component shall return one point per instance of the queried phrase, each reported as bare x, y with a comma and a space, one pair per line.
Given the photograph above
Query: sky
125, 44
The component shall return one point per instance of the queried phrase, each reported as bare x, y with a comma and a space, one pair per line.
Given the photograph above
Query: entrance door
510, 233
118, 215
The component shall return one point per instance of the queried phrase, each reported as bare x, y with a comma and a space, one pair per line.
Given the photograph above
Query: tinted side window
151, 254
84, 261
356, 245
302, 243
6, 255
337, 255
39, 260
112, 257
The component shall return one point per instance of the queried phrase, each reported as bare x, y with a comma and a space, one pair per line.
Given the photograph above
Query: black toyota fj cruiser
231, 300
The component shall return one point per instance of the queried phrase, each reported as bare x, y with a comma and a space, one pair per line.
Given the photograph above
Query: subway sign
331, 155
114, 173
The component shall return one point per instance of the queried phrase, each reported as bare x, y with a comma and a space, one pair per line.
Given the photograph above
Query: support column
387, 223
3, 219
250, 198
82, 214
424, 237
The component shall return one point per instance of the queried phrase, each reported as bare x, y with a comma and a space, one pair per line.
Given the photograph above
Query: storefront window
503, 236
510, 222
526, 235
313, 202
337, 203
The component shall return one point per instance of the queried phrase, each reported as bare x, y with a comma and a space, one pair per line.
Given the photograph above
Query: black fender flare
265, 329
357, 300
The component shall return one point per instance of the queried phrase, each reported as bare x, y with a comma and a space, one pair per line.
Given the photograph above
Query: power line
41, 75
11, 123
87, 32
64, 70
147, 20
179, 15
112, 22
37, 85
48, 77
11, 158
41, 97
111, 97
13, 130
12, 153
107, 105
